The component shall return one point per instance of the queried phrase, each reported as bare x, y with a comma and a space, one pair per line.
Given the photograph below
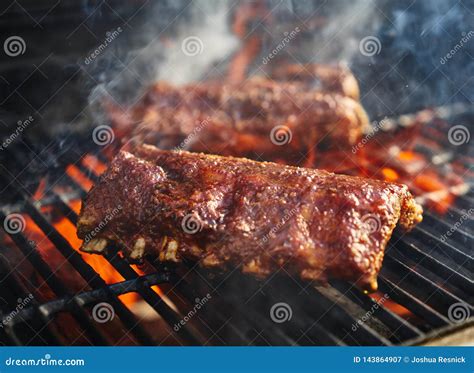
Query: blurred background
54, 79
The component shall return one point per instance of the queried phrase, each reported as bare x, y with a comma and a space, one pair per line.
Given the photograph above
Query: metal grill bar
444, 226
418, 285
458, 284
364, 335
13, 285
403, 328
91, 296
412, 303
55, 284
186, 283
85, 270
188, 333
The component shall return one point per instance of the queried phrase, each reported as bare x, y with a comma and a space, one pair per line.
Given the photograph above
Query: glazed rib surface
261, 119
332, 78
231, 213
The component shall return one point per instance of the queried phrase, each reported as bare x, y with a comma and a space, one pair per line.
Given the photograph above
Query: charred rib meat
261, 119
260, 217
331, 78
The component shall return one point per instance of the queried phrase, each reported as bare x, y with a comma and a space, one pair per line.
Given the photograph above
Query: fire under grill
56, 295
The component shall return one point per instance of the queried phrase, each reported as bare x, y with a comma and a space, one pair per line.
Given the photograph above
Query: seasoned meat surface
260, 119
332, 78
231, 213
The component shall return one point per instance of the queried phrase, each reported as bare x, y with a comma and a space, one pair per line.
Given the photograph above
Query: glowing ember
79, 177
389, 174
392, 306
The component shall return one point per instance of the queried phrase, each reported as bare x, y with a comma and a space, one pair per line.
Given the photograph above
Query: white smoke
179, 50
198, 45
347, 26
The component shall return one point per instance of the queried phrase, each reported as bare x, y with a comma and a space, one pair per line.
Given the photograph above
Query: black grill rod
419, 286
69, 181
326, 310
431, 245
395, 323
450, 245
463, 201
90, 174
454, 215
189, 293
441, 332
102, 158
257, 322
16, 286
81, 266
409, 247
67, 212
259, 317
332, 311
86, 271
91, 296
283, 288
187, 332
430, 218
434, 318
54, 283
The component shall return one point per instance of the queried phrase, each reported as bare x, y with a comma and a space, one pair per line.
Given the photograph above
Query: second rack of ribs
260, 119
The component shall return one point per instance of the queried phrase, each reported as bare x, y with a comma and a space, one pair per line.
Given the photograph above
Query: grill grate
422, 278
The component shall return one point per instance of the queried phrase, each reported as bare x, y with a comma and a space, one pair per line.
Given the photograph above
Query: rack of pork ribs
285, 119
259, 217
